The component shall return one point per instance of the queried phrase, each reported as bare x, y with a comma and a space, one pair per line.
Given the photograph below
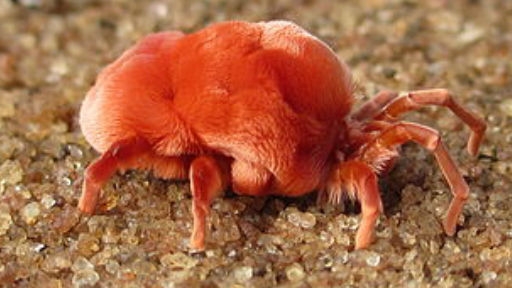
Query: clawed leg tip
196, 244
450, 230
194, 249
473, 151
450, 233
362, 244
85, 210
360, 247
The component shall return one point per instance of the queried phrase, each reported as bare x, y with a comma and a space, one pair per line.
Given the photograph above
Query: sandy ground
50, 54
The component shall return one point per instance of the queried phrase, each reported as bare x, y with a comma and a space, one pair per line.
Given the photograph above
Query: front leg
402, 132
374, 106
358, 181
441, 97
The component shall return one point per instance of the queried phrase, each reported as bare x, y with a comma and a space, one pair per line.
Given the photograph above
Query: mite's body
261, 108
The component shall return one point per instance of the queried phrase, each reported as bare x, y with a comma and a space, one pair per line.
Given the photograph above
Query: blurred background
50, 54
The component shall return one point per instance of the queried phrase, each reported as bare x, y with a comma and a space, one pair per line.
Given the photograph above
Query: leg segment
373, 106
403, 132
358, 180
207, 182
441, 97
131, 153
116, 157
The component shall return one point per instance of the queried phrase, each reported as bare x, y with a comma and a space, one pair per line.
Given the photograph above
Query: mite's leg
206, 182
358, 180
374, 106
402, 132
441, 97
101, 169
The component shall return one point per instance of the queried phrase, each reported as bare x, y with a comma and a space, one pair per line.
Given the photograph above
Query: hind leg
207, 181
133, 153
101, 169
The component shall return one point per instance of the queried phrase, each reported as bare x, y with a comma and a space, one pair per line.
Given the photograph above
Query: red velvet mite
262, 109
